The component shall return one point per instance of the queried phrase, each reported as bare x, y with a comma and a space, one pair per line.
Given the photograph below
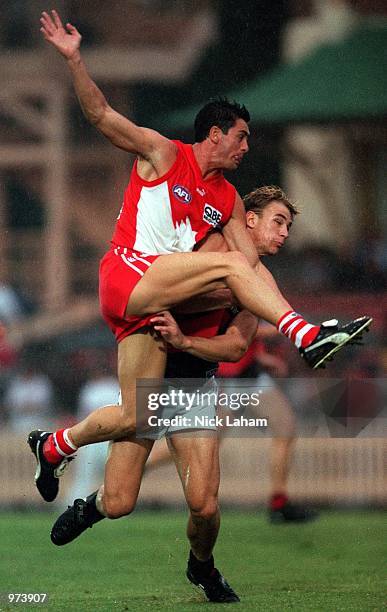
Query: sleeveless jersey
173, 213
204, 325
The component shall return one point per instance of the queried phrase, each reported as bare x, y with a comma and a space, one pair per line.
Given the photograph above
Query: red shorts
119, 272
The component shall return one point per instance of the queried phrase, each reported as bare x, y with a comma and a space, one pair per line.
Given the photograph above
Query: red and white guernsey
174, 212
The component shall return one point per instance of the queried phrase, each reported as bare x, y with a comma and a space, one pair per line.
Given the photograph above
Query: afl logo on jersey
182, 194
211, 215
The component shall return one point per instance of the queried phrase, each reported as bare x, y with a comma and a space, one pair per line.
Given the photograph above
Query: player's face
234, 145
270, 230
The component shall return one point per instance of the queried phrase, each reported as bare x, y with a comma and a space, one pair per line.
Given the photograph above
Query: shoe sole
355, 334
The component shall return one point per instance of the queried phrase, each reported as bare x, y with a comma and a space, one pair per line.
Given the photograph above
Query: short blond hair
261, 197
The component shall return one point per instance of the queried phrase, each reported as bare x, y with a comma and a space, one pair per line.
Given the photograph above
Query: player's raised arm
236, 235
146, 143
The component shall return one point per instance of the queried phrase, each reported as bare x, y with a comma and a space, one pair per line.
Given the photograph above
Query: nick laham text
205, 421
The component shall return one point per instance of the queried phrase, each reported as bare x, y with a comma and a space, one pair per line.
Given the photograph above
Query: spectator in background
28, 398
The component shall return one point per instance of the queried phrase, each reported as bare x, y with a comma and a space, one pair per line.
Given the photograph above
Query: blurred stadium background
314, 76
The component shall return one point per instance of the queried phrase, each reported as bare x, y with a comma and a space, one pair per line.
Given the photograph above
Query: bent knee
116, 506
204, 509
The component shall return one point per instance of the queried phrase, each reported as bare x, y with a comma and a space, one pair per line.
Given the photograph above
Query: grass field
336, 563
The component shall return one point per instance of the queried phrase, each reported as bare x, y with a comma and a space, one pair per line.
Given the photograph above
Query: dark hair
261, 197
220, 112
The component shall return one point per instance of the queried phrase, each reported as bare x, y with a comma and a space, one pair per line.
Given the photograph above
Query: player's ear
251, 219
215, 134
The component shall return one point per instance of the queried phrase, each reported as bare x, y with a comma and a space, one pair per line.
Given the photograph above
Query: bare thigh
123, 474
197, 460
140, 356
174, 278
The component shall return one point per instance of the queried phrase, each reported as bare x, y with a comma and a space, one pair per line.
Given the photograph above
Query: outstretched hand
66, 41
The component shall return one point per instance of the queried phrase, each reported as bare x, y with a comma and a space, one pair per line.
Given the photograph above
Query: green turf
336, 563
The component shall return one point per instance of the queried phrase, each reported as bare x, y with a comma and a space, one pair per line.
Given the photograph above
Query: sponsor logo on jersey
211, 215
182, 194
202, 192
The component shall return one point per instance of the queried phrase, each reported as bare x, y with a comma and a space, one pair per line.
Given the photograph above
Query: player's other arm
122, 132
230, 346
236, 234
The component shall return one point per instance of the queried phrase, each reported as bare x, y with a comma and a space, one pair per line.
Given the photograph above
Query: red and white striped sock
297, 329
57, 446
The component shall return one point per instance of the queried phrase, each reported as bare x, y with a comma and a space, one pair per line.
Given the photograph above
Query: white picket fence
328, 471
